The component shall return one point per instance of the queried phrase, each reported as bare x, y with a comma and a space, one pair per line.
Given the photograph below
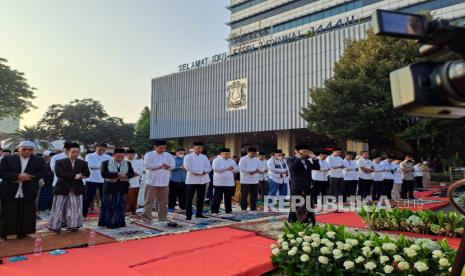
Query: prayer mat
163, 227
245, 216
130, 232
202, 223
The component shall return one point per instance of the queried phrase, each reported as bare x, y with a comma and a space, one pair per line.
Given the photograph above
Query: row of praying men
169, 179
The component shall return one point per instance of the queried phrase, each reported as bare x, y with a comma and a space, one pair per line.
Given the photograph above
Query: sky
108, 50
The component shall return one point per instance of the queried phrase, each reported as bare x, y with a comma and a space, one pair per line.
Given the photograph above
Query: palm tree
31, 133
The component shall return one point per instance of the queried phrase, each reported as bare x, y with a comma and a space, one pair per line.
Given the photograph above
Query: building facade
279, 50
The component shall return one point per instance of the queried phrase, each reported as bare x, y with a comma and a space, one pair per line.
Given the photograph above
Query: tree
85, 121
16, 94
32, 133
141, 142
113, 130
356, 103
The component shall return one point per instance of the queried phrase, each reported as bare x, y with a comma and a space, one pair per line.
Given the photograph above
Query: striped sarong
66, 211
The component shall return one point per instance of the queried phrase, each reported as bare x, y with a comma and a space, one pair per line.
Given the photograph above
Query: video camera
435, 88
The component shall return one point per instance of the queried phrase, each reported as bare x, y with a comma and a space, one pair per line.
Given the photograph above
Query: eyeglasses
27, 149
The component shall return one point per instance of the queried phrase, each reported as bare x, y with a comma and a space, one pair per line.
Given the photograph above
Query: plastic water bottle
91, 239
38, 246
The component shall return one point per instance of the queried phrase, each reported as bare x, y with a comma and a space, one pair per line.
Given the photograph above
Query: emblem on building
236, 95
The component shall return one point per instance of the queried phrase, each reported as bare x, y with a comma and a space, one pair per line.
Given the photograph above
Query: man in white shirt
198, 167
365, 177
263, 176
223, 180
418, 174
336, 174
350, 174
278, 174
320, 177
95, 180
388, 176
378, 178
250, 168
134, 183
158, 165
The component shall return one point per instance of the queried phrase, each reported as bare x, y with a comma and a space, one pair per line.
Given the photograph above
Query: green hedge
440, 177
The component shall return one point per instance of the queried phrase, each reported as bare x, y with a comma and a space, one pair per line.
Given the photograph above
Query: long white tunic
364, 163
388, 169
335, 163
222, 173
248, 167
197, 167
350, 170
378, 174
94, 161
155, 174
322, 173
138, 167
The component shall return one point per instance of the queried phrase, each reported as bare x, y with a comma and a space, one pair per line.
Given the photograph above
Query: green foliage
141, 142
16, 94
424, 222
440, 177
331, 250
32, 133
85, 121
356, 103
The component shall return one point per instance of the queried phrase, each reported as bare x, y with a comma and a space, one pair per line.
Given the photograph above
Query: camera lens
450, 78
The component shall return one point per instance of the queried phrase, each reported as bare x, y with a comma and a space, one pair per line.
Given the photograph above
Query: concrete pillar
233, 142
286, 141
188, 142
356, 146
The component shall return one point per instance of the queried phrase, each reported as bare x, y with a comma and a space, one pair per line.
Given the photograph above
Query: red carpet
349, 219
224, 251
248, 256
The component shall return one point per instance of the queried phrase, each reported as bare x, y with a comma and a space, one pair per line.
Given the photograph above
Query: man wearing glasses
18, 191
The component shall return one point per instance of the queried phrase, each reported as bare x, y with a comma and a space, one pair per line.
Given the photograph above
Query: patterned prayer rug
130, 232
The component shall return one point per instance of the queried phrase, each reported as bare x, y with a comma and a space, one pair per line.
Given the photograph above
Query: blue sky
107, 50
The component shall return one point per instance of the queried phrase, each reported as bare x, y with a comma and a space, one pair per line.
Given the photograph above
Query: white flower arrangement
320, 253
403, 265
307, 249
348, 265
420, 266
304, 258
389, 247
383, 259
370, 265
444, 262
437, 254
323, 260
410, 252
388, 269
359, 259
325, 250
331, 234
